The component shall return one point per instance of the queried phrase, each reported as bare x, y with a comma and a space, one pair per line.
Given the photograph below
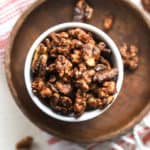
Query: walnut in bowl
73, 72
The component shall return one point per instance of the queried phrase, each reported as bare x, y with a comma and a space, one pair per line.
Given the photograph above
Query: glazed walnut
82, 11
72, 72
108, 22
130, 56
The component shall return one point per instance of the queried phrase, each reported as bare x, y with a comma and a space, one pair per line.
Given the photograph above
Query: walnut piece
108, 22
130, 56
82, 11
24, 143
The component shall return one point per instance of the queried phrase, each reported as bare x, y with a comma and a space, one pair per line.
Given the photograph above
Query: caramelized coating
72, 72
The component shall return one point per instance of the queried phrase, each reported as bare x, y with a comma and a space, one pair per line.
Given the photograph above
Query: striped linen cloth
137, 139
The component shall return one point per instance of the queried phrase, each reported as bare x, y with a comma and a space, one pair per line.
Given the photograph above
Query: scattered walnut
82, 11
24, 143
108, 22
146, 5
72, 72
130, 56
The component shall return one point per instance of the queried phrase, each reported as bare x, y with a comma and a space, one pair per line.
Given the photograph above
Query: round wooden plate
134, 100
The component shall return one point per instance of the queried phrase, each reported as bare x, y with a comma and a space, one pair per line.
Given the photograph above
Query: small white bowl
117, 62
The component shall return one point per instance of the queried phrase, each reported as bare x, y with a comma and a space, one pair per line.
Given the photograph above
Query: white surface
14, 125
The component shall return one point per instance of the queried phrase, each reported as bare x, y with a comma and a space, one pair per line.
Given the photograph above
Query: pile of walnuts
83, 12
72, 72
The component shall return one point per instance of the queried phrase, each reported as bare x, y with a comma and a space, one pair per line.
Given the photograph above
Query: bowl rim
27, 70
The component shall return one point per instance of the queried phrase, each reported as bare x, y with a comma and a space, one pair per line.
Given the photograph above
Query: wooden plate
134, 100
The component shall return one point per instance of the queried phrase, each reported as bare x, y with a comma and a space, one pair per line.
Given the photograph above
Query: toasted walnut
79, 108
43, 65
54, 100
48, 43
66, 101
105, 75
24, 143
80, 103
52, 79
108, 22
76, 44
90, 61
82, 84
52, 87
146, 5
76, 56
55, 37
101, 45
61, 104
81, 35
35, 60
88, 75
77, 73
130, 56
45, 92
37, 85
92, 102
82, 67
63, 87
100, 67
108, 100
43, 49
51, 67
63, 66
105, 62
110, 86
82, 11
102, 92
63, 35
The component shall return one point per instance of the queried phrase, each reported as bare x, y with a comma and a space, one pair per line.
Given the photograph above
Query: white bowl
117, 61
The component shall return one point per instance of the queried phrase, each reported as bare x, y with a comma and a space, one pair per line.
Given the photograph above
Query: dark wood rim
12, 37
